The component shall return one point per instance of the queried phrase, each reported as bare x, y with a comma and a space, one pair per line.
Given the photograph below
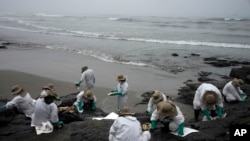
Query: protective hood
131, 118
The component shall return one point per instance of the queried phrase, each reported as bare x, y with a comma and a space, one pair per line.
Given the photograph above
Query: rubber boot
213, 113
79, 107
165, 128
196, 115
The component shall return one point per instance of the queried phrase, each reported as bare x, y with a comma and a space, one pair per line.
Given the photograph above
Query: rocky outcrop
81, 127
217, 62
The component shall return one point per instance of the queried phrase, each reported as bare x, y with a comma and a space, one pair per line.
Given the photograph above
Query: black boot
196, 115
213, 113
165, 128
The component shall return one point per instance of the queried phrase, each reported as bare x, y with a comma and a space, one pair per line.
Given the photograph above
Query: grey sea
141, 41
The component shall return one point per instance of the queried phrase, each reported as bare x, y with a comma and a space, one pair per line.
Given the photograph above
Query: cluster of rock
15, 126
3, 45
186, 93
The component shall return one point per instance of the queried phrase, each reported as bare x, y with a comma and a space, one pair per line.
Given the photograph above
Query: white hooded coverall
152, 105
199, 93
128, 128
122, 99
231, 92
24, 104
80, 98
44, 112
89, 78
174, 122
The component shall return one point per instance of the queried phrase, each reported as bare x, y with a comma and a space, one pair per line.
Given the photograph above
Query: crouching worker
85, 100
233, 92
127, 128
208, 99
22, 101
156, 98
170, 116
46, 112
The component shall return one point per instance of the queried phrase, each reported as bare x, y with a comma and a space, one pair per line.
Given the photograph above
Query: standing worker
121, 91
87, 76
207, 98
233, 92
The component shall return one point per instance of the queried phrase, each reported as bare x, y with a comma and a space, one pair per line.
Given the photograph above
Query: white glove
109, 94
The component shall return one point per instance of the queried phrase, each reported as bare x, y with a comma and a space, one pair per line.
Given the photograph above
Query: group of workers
207, 99
39, 110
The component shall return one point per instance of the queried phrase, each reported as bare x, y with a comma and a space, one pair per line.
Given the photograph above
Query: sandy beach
33, 68
156, 46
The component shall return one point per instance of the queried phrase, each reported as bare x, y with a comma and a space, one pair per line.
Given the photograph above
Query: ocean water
141, 41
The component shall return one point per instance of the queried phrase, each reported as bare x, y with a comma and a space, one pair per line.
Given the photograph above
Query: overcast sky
167, 8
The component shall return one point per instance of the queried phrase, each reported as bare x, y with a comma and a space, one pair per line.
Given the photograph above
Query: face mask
48, 100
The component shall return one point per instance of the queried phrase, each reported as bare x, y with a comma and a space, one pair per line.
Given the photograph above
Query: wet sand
33, 68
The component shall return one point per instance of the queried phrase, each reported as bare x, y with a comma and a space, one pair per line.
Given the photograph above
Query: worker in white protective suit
22, 101
170, 116
127, 128
49, 86
232, 91
85, 100
208, 98
87, 76
121, 91
46, 110
156, 97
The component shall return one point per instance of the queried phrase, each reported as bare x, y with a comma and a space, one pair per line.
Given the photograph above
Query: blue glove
219, 111
93, 106
244, 94
206, 113
59, 122
242, 100
78, 83
3, 106
117, 93
153, 125
149, 112
181, 129
79, 107
114, 91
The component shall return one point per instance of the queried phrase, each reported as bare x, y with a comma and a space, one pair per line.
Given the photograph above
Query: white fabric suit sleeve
13, 102
95, 99
154, 116
54, 113
164, 97
79, 96
236, 91
123, 88
177, 120
196, 101
82, 77
150, 105
239, 90
112, 131
220, 100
